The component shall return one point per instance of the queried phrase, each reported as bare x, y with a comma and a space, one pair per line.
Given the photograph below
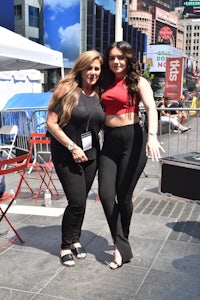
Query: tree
154, 81
149, 76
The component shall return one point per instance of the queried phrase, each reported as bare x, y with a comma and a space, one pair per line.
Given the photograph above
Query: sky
107, 4
62, 28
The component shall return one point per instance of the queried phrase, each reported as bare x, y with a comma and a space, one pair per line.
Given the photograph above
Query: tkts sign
173, 77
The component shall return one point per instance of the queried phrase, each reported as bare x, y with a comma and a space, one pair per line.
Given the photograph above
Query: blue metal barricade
182, 142
22, 120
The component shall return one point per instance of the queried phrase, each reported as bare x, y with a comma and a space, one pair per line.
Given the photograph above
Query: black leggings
76, 180
122, 161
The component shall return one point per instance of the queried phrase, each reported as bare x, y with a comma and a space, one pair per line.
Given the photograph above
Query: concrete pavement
165, 239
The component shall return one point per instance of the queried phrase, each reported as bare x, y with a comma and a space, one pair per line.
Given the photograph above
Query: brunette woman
126, 145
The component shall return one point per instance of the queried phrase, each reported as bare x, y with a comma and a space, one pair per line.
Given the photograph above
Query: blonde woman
74, 120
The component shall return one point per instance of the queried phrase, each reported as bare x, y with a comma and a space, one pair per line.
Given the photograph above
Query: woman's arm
57, 132
153, 147
146, 95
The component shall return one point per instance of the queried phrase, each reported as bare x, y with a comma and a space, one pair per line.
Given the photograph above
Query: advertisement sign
157, 55
191, 64
173, 77
191, 9
168, 18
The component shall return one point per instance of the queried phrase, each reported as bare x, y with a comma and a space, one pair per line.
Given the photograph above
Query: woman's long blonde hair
68, 89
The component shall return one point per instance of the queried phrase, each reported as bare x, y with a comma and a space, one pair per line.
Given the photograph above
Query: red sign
166, 33
173, 77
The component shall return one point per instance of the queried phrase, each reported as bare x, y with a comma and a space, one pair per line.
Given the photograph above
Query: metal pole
118, 21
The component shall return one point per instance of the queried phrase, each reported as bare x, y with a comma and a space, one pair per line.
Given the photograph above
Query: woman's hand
153, 148
79, 155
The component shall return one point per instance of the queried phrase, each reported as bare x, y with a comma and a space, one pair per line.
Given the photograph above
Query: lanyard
86, 108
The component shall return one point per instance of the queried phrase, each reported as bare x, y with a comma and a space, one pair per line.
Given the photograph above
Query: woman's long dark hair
133, 71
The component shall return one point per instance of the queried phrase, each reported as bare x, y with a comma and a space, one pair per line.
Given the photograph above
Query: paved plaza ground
165, 239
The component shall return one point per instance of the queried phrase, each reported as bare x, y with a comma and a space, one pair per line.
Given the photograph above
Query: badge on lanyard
86, 140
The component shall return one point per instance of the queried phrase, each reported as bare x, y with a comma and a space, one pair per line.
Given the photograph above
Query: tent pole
62, 72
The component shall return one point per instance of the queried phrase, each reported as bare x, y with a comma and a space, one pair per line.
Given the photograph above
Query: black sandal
65, 258
78, 251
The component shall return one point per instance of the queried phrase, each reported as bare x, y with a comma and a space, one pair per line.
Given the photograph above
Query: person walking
126, 145
75, 117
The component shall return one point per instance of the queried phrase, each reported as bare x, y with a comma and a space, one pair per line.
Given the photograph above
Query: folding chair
13, 165
8, 134
42, 164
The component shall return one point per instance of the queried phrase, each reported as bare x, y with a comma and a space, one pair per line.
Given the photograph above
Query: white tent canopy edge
19, 53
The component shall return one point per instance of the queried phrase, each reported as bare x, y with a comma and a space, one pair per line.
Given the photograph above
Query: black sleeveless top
88, 115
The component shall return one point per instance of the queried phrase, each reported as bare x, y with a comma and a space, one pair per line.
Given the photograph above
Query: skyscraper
176, 3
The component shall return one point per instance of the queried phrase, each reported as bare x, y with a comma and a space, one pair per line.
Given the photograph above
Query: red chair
41, 164
11, 166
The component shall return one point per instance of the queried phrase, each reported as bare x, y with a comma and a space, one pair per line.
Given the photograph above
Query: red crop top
116, 100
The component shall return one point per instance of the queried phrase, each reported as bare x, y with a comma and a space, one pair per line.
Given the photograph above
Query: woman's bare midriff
121, 120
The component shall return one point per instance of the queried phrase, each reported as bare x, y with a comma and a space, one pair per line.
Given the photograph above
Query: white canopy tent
19, 53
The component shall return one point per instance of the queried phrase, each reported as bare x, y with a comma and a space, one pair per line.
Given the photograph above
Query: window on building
18, 12
33, 39
33, 16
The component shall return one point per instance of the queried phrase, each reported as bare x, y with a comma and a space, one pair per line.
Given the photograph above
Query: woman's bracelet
152, 133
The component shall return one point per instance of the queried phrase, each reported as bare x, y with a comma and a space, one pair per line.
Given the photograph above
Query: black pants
76, 180
122, 161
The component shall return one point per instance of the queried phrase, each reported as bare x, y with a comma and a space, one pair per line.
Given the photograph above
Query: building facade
176, 3
149, 5
191, 44
156, 20
28, 20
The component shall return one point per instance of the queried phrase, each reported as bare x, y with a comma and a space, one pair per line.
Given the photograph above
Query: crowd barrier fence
173, 142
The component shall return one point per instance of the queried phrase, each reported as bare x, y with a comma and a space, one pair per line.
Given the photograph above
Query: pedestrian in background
126, 146
167, 116
182, 115
75, 117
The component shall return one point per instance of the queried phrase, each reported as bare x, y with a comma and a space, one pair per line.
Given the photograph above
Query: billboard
191, 9
190, 64
158, 54
174, 77
167, 18
62, 28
